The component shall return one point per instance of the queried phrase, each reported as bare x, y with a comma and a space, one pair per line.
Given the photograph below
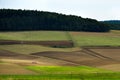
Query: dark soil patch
45, 43
5, 53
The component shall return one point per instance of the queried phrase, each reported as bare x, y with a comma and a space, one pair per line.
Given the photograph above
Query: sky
95, 9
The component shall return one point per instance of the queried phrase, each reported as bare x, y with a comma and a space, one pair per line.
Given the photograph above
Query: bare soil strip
114, 67
7, 68
45, 43
80, 58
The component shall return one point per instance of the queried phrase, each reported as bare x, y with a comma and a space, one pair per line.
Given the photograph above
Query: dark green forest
19, 20
114, 24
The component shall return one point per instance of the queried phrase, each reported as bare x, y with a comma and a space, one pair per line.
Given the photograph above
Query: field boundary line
90, 52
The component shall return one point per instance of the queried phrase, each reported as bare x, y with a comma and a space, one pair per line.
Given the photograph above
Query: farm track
95, 54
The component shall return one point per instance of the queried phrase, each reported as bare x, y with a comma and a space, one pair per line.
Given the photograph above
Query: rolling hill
19, 20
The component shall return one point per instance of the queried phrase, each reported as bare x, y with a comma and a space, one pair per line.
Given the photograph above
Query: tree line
114, 24
19, 20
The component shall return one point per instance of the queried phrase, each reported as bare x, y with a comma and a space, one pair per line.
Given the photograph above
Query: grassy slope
96, 76
96, 39
64, 73
34, 35
66, 69
26, 49
80, 39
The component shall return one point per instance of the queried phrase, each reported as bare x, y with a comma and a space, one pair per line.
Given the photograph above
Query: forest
25, 20
114, 24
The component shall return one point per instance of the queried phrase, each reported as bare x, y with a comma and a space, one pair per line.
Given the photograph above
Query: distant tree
17, 20
113, 24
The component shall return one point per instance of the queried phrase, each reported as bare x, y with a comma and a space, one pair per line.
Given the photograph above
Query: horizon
100, 10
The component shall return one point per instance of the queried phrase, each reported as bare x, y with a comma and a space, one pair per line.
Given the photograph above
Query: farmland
79, 38
98, 76
34, 35
64, 73
92, 56
96, 39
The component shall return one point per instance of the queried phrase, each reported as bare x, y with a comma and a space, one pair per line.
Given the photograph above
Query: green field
58, 72
34, 36
66, 69
96, 41
80, 39
92, 76
64, 73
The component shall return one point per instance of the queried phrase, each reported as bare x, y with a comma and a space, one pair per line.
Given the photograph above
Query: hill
114, 24
19, 20
61, 38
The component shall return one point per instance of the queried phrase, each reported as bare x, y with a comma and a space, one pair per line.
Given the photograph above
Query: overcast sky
96, 9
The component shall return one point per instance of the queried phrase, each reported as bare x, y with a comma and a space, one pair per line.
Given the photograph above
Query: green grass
66, 69
34, 36
89, 76
81, 39
96, 40
64, 73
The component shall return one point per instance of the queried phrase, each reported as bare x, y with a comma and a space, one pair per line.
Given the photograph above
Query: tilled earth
106, 58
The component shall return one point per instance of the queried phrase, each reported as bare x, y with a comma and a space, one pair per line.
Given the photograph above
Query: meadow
39, 62
94, 76
64, 73
34, 35
96, 39
79, 38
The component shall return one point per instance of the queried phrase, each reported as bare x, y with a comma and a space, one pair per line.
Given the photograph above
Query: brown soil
45, 43
7, 56
114, 67
103, 57
80, 58
111, 53
7, 68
